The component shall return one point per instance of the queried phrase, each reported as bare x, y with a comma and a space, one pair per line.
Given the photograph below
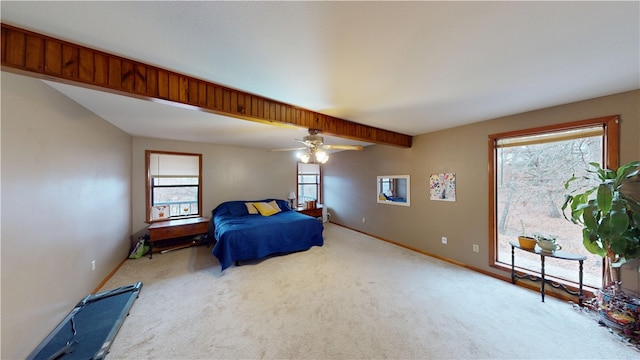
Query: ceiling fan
314, 148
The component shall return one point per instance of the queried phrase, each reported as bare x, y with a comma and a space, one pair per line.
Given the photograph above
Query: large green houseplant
609, 214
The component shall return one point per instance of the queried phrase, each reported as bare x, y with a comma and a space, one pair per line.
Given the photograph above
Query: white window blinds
308, 169
166, 165
551, 137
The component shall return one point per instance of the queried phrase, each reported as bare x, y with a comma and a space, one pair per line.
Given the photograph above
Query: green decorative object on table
547, 243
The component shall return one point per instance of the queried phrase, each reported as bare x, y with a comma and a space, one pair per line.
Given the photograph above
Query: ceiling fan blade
290, 149
343, 147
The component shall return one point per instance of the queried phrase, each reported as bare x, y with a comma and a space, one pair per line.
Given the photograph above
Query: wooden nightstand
172, 229
316, 213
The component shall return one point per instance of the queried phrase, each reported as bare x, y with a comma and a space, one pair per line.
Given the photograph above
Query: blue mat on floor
89, 329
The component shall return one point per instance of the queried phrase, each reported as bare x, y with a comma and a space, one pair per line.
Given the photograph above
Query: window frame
149, 187
318, 184
610, 151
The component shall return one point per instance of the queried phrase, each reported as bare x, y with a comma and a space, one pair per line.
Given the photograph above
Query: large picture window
173, 185
528, 172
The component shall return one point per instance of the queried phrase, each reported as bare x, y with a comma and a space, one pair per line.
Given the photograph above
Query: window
309, 183
173, 185
528, 172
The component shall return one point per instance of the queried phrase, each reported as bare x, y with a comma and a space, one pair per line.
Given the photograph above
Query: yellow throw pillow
250, 208
265, 209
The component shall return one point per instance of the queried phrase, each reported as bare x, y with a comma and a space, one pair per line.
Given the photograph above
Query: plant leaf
618, 218
590, 214
572, 179
625, 171
635, 209
605, 197
567, 200
592, 246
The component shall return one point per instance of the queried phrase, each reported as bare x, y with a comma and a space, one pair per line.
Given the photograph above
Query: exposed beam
42, 56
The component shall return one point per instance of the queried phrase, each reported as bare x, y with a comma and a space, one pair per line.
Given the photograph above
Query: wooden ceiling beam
41, 56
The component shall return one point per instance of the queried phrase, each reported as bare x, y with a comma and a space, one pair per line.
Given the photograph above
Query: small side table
558, 255
315, 212
171, 229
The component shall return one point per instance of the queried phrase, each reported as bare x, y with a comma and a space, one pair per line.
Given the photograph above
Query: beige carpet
354, 298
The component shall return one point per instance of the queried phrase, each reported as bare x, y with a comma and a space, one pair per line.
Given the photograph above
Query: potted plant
610, 220
526, 242
609, 214
547, 243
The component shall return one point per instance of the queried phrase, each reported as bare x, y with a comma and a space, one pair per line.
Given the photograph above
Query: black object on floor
89, 329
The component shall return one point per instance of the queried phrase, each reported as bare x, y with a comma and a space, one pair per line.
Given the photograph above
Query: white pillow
250, 208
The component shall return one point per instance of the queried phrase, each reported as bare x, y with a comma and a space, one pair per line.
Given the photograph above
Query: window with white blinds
174, 185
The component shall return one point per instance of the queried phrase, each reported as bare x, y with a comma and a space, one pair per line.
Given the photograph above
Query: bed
241, 235
394, 198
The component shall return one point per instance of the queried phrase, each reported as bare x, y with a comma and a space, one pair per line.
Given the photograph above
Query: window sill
174, 218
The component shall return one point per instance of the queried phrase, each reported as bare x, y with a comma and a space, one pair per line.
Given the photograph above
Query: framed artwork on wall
442, 187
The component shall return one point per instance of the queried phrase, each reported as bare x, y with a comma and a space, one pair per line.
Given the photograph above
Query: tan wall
66, 194
73, 192
228, 173
350, 180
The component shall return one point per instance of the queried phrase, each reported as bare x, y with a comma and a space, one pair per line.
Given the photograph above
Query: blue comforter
243, 236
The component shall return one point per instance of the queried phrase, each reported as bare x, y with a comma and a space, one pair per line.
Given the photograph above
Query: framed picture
442, 187
160, 212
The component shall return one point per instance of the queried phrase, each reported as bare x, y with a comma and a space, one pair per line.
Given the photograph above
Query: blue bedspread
242, 236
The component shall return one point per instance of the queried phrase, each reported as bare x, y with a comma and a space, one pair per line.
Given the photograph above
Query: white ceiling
410, 67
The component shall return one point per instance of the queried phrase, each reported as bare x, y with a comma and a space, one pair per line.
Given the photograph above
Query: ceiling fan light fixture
304, 156
321, 156
315, 149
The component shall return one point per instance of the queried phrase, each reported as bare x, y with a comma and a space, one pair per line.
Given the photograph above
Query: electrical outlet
476, 248
364, 220
93, 265
444, 240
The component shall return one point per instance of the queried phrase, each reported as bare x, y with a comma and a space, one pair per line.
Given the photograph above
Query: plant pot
548, 245
618, 310
527, 242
